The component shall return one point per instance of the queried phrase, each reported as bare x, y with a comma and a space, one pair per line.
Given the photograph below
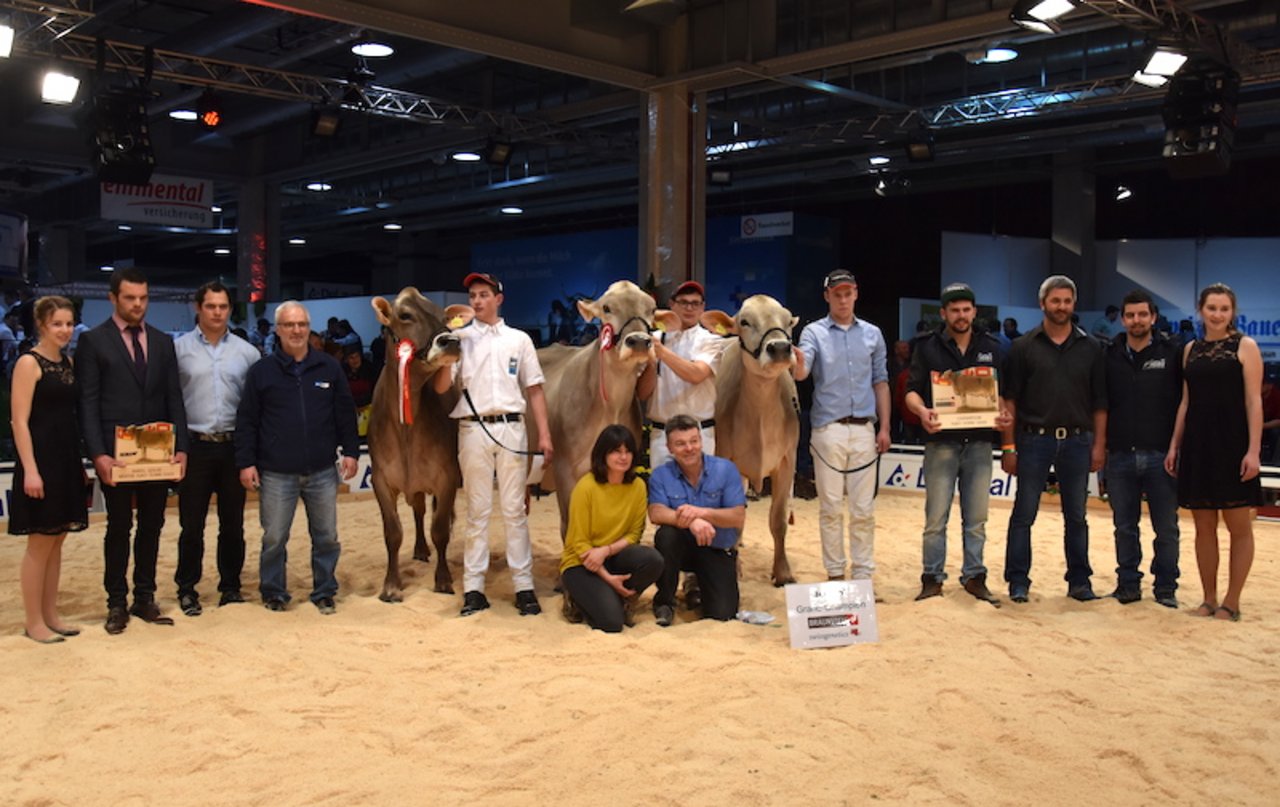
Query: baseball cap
957, 291
839, 277
481, 277
690, 286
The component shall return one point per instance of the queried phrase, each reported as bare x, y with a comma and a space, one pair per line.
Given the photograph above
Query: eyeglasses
293, 325
688, 303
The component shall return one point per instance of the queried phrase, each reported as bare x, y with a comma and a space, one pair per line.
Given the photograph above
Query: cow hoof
391, 596
779, 582
425, 556
444, 588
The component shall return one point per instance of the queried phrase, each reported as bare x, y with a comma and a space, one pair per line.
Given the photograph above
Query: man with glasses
683, 379
850, 420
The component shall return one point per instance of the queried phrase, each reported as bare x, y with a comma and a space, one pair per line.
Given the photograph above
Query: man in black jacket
295, 413
128, 376
955, 454
1144, 387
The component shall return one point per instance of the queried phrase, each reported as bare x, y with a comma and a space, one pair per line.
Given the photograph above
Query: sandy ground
1053, 702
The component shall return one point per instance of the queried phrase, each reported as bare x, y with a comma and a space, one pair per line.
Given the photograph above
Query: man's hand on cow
703, 531
349, 466
595, 557
799, 354
249, 478
931, 422
617, 582
882, 441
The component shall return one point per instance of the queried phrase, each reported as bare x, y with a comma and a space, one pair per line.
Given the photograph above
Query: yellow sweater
601, 514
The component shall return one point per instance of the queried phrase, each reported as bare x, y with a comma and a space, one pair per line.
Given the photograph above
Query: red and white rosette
404, 352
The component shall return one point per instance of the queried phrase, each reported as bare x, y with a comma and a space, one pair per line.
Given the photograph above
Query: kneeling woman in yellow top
604, 568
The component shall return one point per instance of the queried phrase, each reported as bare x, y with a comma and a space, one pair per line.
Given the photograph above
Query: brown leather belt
213, 437
1057, 432
850, 420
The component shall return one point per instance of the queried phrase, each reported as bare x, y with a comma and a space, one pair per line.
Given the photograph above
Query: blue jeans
944, 463
1070, 458
277, 501
1130, 474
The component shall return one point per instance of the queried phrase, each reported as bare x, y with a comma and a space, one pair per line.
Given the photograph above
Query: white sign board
831, 614
165, 200
767, 225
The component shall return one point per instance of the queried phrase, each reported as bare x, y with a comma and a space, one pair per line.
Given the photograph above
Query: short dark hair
212, 286
680, 423
130, 274
1138, 297
611, 438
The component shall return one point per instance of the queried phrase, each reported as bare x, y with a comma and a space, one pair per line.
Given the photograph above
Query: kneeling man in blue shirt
696, 500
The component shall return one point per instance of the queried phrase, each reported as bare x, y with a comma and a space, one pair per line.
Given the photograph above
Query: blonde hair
45, 306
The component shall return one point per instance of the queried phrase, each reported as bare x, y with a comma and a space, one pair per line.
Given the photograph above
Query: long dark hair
1220, 288
611, 438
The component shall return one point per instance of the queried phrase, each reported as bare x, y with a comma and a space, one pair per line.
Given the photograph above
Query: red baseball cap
481, 277
690, 285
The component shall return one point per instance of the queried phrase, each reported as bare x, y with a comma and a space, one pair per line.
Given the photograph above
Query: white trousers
846, 445
658, 453
481, 459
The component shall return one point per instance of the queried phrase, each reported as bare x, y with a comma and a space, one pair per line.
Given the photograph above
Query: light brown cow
590, 387
413, 444
757, 413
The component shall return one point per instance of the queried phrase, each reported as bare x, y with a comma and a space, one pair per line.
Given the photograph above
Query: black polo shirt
1056, 385
1143, 393
938, 352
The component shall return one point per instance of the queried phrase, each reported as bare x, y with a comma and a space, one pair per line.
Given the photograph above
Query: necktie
139, 358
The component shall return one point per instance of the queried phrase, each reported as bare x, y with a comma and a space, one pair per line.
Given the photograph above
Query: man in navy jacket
294, 415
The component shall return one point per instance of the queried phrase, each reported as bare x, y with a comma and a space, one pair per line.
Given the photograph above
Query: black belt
506, 417
213, 437
1057, 432
702, 424
851, 420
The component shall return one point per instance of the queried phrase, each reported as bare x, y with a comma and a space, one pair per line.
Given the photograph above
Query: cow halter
607, 342
755, 354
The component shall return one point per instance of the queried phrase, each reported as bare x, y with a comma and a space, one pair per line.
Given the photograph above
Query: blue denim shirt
846, 364
720, 485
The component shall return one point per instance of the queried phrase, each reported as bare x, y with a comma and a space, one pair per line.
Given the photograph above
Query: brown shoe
930, 586
149, 612
117, 619
977, 586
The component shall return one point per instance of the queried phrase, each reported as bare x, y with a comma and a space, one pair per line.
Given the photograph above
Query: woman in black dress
1217, 443
48, 498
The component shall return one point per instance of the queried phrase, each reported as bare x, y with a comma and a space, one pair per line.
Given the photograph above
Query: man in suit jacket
128, 375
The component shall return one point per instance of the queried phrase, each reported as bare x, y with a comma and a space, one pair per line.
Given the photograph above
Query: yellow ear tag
721, 330
456, 322
660, 325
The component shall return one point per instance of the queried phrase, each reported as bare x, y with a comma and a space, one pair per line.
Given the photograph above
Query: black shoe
1019, 594
149, 612
664, 615
930, 586
1127, 594
473, 602
1166, 599
275, 604
54, 639
1082, 592
117, 619
230, 598
527, 603
66, 631
190, 604
325, 606
570, 609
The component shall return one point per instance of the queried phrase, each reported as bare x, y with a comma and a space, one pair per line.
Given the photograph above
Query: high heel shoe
66, 631
51, 640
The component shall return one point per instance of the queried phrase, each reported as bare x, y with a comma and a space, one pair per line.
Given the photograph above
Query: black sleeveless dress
55, 438
1216, 434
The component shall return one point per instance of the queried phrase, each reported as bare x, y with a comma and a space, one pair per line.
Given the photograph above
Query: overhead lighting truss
1166, 18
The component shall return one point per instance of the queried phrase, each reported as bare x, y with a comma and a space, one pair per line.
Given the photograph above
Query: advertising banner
831, 614
165, 200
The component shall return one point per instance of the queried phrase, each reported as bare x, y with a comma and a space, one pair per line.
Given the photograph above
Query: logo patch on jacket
1153, 364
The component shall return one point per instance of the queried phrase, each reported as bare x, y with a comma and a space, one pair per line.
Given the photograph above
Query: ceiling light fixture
59, 87
393, 226
1150, 79
991, 55
297, 242
222, 251
106, 267
319, 187
6, 40
466, 157
184, 114
919, 145
1040, 15
216, 209
878, 160
124, 228
372, 49
1123, 193
1165, 60
512, 210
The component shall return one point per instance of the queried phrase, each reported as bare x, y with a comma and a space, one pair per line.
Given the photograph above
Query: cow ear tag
456, 323
404, 352
606, 337
721, 330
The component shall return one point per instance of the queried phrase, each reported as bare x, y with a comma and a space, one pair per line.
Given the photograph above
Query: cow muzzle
446, 348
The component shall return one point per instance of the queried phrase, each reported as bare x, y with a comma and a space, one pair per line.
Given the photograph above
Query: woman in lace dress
1216, 446
48, 497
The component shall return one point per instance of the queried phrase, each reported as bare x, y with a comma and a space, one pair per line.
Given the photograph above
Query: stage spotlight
120, 139
59, 86
184, 114
1150, 79
209, 110
369, 48
919, 146
497, 152
466, 157
888, 185
6, 40
1165, 60
1040, 15
325, 121
1123, 193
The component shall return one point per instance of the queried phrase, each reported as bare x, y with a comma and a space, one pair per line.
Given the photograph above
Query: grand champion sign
165, 200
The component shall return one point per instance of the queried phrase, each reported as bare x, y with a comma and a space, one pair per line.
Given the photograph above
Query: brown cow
593, 386
415, 451
757, 414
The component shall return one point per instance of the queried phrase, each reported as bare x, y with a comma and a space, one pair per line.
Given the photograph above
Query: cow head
763, 328
626, 315
425, 325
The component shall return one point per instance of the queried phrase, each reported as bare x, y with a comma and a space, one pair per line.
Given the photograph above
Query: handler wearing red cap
683, 380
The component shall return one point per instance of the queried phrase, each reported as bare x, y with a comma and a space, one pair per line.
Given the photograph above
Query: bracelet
1008, 447
1012, 451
